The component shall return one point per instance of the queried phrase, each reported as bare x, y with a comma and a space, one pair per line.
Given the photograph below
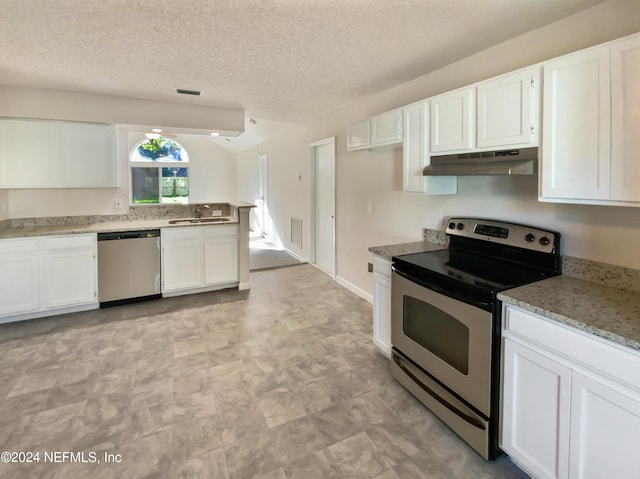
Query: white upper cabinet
386, 128
625, 119
56, 154
591, 146
508, 110
415, 154
576, 126
379, 130
88, 154
359, 135
28, 153
452, 121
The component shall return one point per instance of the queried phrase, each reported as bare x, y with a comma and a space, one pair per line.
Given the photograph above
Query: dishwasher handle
120, 235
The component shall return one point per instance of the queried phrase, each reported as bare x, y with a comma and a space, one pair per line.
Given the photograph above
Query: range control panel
512, 234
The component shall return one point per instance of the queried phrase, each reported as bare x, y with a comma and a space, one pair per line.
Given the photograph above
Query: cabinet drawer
69, 242
190, 232
18, 245
227, 230
612, 360
382, 266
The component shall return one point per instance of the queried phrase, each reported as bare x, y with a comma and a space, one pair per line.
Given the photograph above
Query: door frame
263, 187
312, 187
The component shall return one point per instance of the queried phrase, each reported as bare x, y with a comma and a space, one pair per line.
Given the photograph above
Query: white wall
375, 176
75, 106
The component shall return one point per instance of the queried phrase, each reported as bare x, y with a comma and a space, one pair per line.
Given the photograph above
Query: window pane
175, 185
159, 149
145, 186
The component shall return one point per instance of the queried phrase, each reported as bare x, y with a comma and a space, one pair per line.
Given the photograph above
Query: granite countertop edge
609, 313
389, 251
102, 227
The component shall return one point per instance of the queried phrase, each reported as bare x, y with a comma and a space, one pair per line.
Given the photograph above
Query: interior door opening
323, 215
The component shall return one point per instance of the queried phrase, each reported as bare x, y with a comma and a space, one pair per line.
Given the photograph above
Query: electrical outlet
118, 203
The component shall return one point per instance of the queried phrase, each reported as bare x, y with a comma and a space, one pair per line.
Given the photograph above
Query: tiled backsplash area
136, 213
435, 236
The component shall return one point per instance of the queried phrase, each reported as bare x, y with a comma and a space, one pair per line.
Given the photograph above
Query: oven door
447, 338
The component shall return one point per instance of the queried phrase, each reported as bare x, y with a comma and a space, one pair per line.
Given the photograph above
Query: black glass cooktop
481, 275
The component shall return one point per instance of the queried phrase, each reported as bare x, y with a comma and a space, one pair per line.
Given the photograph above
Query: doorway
323, 214
263, 190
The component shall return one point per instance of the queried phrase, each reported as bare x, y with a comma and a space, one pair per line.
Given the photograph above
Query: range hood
523, 161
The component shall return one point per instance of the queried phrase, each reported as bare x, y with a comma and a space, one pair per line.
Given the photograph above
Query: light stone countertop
100, 227
390, 251
604, 311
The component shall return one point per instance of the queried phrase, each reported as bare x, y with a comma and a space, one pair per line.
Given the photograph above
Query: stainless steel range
445, 319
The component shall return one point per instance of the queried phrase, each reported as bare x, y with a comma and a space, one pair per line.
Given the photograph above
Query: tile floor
281, 381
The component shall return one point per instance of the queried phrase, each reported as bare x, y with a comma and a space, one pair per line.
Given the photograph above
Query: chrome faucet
199, 209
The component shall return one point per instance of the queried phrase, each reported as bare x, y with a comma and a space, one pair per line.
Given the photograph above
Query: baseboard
354, 289
297, 256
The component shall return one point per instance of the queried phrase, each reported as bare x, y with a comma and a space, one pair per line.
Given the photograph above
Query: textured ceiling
280, 60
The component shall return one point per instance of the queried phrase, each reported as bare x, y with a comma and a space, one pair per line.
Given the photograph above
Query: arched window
159, 172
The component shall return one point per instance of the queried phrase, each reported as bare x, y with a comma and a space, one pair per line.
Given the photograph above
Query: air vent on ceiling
188, 92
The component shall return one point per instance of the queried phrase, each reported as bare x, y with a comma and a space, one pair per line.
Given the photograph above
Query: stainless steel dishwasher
128, 267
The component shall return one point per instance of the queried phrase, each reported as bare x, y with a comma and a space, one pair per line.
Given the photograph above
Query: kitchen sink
198, 220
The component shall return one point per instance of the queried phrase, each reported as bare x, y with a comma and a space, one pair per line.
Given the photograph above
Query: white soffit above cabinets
279, 60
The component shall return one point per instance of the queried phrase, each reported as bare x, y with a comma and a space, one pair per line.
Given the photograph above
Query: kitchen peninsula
49, 265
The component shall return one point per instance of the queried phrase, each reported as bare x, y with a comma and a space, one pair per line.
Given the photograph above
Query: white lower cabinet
605, 430
19, 276
535, 409
221, 253
70, 271
382, 304
199, 258
47, 275
182, 264
570, 402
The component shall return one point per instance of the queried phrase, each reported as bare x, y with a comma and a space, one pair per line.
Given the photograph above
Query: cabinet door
382, 305
415, 154
19, 277
576, 126
29, 153
604, 431
359, 135
182, 259
88, 154
452, 123
221, 255
70, 271
386, 128
535, 411
507, 110
625, 120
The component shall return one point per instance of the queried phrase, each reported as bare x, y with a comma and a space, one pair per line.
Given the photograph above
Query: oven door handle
471, 420
485, 305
